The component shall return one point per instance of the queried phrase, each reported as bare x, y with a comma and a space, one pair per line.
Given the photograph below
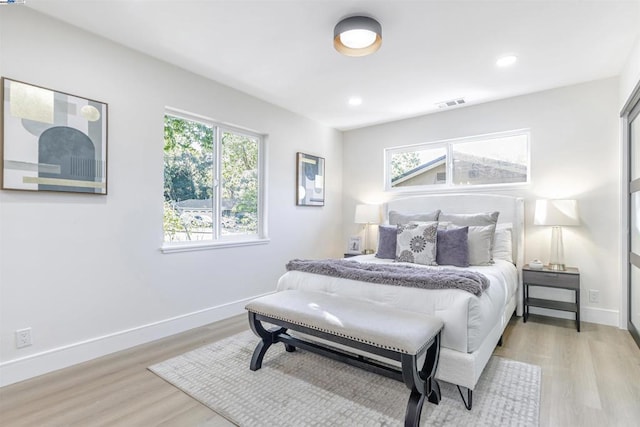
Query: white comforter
467, 318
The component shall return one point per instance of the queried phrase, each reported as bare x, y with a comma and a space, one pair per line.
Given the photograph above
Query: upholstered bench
409, 338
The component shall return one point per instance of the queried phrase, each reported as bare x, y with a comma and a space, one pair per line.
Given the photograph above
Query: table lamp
556, 213
367, 215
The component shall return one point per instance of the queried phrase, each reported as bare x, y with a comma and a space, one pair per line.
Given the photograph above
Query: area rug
305, 389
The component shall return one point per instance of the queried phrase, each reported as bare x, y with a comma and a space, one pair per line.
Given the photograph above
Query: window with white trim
213, 181
480, 161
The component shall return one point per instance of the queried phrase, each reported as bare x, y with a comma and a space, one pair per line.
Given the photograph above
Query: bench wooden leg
421, 382
429, 371
414, 409
268, 337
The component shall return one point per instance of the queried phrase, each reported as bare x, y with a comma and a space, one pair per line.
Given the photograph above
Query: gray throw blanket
398, 275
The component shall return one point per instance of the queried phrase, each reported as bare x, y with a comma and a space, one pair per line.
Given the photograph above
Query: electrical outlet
594, 296
23, 338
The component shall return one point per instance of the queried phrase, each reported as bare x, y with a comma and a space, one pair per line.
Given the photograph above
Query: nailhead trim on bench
328, 331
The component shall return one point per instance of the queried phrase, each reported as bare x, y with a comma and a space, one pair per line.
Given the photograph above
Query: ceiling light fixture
505, 61
357, 36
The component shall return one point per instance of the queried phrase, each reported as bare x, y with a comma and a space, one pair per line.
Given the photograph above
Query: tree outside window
211, 181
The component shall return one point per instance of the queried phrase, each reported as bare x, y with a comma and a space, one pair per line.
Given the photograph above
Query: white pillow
503, 243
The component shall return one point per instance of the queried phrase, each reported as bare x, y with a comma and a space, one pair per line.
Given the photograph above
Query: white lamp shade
556, 212
367, 214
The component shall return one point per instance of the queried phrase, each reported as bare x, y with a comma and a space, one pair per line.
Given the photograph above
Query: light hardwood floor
591, 378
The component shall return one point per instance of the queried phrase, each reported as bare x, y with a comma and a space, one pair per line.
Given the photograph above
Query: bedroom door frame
630, 114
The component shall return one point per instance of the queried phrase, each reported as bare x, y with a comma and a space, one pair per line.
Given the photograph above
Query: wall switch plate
594, 296
23, 338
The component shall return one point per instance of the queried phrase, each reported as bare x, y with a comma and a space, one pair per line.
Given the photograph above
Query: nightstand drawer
551, 279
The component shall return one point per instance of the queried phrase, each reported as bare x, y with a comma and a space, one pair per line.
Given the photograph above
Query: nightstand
568, 279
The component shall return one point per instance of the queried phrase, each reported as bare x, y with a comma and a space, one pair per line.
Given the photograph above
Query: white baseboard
601, 316
16, 370
587, 314
13, 371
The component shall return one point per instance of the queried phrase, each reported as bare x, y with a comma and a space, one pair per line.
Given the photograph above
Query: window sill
169, 248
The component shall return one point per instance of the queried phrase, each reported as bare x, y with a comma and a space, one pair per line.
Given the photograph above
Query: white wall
630, 74
574, 154
85, 272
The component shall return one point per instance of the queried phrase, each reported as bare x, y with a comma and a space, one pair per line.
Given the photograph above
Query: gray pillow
453, 247
476, 220
479, 243
417, 243
387, 236
397, 218
484, 218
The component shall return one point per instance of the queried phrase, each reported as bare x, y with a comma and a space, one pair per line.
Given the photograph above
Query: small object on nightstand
536, 264
568, 279
355, 246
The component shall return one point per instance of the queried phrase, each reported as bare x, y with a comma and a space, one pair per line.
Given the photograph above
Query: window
425, 165
212, 182
496, 159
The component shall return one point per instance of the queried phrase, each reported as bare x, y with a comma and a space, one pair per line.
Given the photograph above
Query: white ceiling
432, 51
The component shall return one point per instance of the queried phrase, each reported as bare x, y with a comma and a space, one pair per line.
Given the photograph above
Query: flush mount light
357, 36
505, 61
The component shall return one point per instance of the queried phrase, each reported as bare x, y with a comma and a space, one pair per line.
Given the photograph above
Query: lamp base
556, 255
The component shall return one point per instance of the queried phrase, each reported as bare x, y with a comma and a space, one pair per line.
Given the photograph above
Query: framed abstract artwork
310, 180
52, 141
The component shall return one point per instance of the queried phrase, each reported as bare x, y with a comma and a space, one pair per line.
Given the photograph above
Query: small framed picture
355, 245
310, 180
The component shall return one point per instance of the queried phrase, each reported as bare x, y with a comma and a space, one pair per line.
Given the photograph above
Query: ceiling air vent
450, 103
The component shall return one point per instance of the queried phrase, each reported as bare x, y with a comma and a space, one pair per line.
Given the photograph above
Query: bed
473, 324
